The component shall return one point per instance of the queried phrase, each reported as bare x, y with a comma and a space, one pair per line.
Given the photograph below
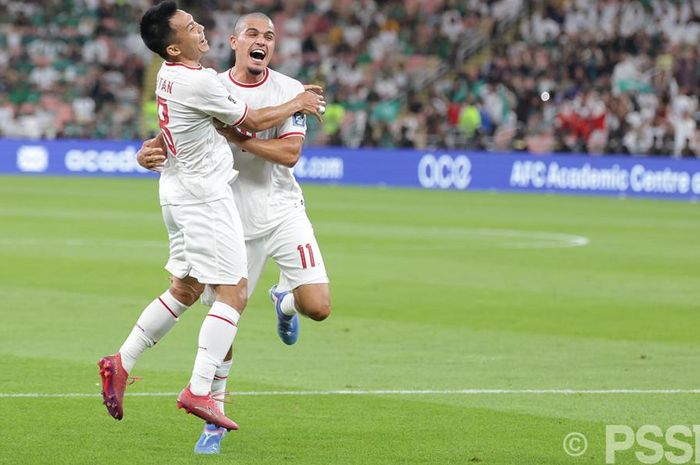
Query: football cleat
287, 326
114, 379
210, 441
205, 408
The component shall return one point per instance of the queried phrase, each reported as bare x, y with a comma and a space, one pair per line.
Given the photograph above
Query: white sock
287, 305
155, 321
218, 386
215, 339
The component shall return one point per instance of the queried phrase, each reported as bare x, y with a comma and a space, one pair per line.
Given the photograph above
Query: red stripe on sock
168, 308
220, 377
223, 319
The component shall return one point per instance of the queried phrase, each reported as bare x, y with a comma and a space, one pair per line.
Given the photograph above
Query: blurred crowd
598, 77
613, 76
71, 68
376, 59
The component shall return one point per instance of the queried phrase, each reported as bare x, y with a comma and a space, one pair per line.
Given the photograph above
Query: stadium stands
622, 77
71, 69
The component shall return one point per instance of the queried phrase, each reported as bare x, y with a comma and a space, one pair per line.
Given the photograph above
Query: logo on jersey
232, 100
299, 119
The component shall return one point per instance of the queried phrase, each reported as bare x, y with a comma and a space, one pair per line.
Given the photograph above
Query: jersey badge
299, 119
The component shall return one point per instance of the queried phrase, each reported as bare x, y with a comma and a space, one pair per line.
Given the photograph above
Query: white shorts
206, 242
293, 246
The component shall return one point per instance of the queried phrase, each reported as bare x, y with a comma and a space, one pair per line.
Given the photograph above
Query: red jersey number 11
302, 255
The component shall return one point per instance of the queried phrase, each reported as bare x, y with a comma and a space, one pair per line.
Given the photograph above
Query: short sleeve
211, 97
296, 124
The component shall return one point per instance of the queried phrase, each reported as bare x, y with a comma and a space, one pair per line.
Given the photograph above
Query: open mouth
203, 41
258, 55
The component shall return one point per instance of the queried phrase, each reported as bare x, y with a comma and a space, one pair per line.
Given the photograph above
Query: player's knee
313, 301
320, 310
241, 300
184, 293
242, 295
236, 297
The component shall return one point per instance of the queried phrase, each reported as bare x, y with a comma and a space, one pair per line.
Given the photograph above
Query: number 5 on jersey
163, 120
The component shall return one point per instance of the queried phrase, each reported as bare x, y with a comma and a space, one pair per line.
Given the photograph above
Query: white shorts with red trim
293, 247
206, 241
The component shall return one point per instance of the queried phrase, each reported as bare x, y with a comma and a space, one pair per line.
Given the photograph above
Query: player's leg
210, 440
313, 300
214, 237
217, 334
303, 285
256, 255
162, 314
216, 338
213, 363
158, 318
153, 323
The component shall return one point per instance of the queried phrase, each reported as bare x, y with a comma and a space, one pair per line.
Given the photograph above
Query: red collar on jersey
170, 63
242, 84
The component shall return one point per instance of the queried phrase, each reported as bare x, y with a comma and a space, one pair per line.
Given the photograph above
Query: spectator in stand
67, 64
610, 76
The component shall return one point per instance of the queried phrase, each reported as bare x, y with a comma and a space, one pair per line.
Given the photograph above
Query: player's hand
311, 103
313, 88
151, 155
218, 125
232, 135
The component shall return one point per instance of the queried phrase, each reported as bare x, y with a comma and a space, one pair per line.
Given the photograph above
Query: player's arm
284, 151
311, 102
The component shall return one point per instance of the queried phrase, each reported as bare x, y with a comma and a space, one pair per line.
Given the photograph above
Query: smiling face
254, 43
190, 42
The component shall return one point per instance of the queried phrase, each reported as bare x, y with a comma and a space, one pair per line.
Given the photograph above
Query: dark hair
155, 27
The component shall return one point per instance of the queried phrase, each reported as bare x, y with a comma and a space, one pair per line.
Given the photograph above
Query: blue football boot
287, 326
210, 441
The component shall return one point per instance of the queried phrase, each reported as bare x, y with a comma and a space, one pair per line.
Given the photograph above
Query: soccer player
270, 200
204, 229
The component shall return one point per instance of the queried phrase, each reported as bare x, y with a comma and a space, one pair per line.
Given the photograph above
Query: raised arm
310, 102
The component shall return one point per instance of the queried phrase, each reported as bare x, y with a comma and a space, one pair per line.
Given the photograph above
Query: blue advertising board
440, 170
70, 157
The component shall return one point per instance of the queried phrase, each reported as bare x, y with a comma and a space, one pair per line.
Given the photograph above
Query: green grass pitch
431, 291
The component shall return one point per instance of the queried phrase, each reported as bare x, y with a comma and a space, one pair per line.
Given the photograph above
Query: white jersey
199, 165
266, 193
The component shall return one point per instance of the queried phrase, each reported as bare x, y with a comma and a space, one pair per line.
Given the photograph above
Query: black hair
155, 27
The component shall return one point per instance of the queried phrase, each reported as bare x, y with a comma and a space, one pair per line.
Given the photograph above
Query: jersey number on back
163, 120
301, 250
